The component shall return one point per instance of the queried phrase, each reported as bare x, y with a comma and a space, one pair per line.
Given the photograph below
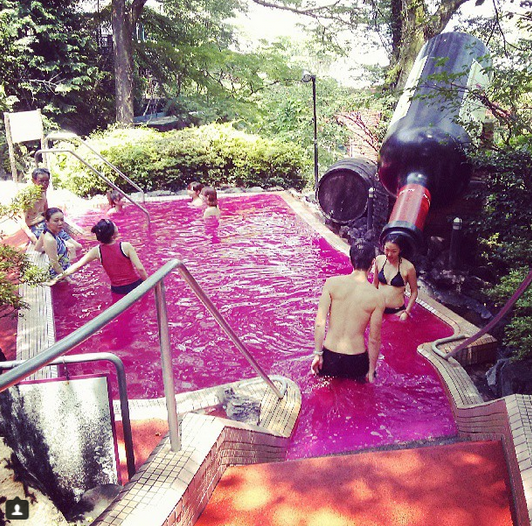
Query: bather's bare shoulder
335, 281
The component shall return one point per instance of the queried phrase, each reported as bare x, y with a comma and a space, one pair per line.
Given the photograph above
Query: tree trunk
410, 24
417, 26
415, 31
123, 58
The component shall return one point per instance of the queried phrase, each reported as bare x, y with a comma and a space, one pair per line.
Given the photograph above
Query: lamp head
307, 77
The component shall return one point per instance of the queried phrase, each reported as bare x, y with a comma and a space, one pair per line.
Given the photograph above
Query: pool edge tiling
36, 327
231, 443
174, 487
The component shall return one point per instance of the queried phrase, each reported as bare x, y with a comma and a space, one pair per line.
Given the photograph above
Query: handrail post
202, 296
124, 410
166, 363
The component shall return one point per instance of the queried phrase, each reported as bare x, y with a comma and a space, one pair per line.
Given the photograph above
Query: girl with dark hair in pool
52, 243
210, 198
194, 189
119, 259
392, 273
116, 201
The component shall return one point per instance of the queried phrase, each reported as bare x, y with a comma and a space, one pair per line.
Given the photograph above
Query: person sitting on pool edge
210, 197
52, 243
392, 273
351, 303
119, 260
194, 189
34, 223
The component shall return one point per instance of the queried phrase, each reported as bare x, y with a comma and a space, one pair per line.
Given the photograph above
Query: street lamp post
308, 77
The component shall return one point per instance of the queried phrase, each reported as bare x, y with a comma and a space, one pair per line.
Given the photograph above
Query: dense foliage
517, 333
504, 231
401, 27
15, 267
216, 154
504, 228
49, 61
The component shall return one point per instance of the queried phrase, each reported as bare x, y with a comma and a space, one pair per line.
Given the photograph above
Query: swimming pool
263, 267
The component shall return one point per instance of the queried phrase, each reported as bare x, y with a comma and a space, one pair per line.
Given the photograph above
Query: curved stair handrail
469, 340
98, 173
156, 280
70, 136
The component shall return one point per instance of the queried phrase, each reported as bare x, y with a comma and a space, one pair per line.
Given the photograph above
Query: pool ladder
22, 369
69, 136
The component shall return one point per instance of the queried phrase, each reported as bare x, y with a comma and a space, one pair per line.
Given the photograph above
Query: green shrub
215, 154
517, 334
15, 267
505, 224
23, 200
505, 235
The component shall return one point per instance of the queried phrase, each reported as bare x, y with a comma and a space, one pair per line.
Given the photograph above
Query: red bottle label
412, 205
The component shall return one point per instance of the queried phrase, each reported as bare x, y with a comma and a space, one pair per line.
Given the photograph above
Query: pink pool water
263, 267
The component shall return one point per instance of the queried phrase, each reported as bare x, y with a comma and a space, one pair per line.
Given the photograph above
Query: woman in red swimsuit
392, 274
119, 259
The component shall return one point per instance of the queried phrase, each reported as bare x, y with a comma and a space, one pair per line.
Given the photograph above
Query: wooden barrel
342, 192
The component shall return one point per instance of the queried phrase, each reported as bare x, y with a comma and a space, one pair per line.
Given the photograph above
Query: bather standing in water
116, 202
194, 189
351, 303
52, 243
392, 273
119, 259
210, 197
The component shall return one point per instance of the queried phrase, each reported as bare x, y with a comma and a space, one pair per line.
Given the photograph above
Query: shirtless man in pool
351, 303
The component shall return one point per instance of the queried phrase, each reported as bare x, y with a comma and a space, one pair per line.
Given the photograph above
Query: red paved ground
8, 337
463, 484
146, 435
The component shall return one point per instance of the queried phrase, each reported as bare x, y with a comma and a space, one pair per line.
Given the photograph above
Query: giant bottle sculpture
423, 159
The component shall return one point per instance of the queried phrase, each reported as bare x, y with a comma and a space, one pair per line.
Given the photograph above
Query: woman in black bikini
392, 273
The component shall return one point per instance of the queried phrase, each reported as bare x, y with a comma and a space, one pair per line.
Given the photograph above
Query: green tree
49, 61
178, 40
286, 112
124, 17
194, 68
402, 26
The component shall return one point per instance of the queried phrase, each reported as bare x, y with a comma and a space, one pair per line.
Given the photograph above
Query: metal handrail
448, 339
470, 339
194, 285
46, 357
97, 172
32, 365
122, 390
68, 136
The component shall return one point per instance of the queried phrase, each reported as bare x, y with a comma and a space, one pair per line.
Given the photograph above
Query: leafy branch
15, 267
